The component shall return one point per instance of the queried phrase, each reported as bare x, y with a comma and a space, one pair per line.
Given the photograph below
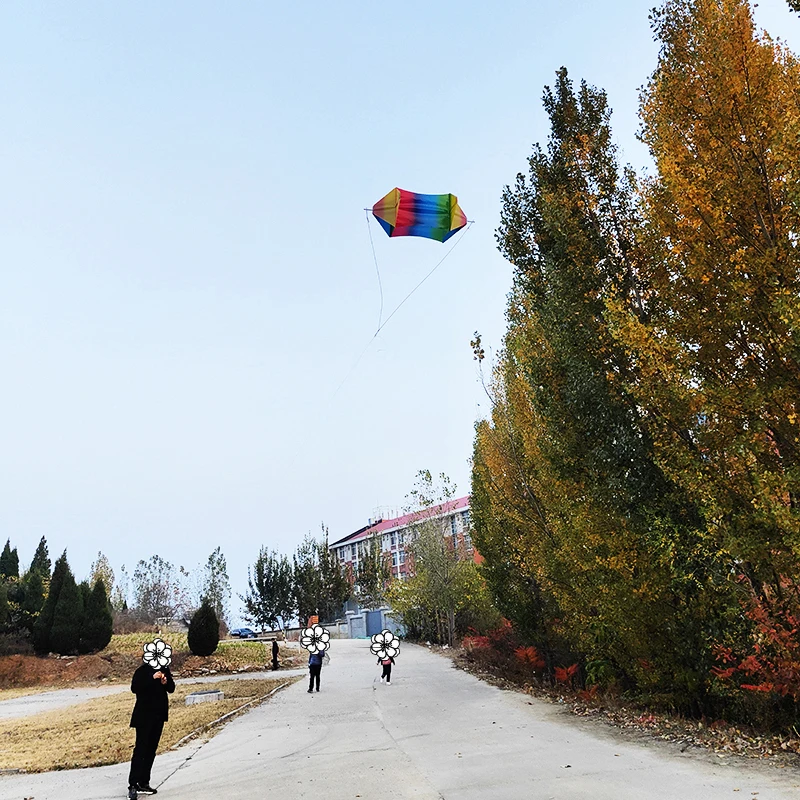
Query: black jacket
151, 695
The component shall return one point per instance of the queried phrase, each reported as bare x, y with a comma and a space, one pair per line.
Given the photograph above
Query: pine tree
65, 632
44, 622
5, 611
97, 620
41, 560
33, 599
7, 562
204, 630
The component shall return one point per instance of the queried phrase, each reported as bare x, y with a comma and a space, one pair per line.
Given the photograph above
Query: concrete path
29, 704
434, 733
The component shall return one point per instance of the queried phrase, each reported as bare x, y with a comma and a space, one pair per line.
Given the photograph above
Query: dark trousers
275, 662
313, 675
144, 753
387, 672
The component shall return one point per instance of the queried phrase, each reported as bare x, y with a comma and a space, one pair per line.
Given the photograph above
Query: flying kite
432, 216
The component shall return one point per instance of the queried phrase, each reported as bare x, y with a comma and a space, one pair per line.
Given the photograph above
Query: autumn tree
716, 347
159, 589
320, 584
101, 570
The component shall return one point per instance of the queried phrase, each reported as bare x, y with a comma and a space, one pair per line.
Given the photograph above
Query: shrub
98, 624
67, 617
204, 630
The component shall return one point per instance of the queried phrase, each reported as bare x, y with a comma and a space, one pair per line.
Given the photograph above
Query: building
395, 534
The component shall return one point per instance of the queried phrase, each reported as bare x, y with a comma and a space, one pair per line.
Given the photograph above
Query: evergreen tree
204, 630
41, 560
65, 632
33, 599
44, 622
7, 561
97, 620
5, 611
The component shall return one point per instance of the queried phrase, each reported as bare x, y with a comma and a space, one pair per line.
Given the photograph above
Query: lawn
96, 733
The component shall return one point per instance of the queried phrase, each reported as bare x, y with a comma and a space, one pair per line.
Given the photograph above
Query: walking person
274, 654
314, 669
387, 662
151, 683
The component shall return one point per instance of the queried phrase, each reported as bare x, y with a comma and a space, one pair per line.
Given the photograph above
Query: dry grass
95, 733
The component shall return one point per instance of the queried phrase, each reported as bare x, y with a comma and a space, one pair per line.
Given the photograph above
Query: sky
188, 294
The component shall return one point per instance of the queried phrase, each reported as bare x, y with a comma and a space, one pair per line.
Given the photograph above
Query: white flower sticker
315, 639
157, 654
385, 644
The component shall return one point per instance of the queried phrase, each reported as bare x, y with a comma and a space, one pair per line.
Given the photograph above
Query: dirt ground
19, 671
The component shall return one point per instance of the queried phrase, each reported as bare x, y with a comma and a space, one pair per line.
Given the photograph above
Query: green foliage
216, 584
32, 600
269, 601
203, 635
5, 611
320, 585
97, 621
101, 571
9, 562
41, 560
65, 632
44, 622
374, 573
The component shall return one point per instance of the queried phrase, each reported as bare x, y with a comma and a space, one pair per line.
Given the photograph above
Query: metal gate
374, 622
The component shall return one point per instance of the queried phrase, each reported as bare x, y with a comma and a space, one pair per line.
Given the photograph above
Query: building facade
396, 534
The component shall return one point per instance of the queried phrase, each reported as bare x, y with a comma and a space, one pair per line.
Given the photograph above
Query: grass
97, 732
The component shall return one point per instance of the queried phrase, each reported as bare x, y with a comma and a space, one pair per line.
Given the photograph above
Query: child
387, 662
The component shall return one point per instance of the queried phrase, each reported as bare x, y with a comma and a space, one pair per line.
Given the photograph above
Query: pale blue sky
186, 268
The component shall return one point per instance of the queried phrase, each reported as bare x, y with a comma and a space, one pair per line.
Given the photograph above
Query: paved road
434, 733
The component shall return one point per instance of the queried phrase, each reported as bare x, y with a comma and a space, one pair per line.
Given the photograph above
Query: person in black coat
274, 654
150, 684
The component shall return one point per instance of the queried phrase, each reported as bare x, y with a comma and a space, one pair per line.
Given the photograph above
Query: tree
374, 573
97, 620
335, 587
44, 622
320, 584
41, 560
65, 632
590, 547
9, 561
306, 579
5, 611
216, 585
119, 595
33, 598
157, 589
101, 570
269, 601
204, 630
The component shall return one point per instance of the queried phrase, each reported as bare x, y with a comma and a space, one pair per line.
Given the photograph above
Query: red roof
405, 520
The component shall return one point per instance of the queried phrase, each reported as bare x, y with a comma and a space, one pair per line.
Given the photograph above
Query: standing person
387, 662
151, 682
314, 669
274, 654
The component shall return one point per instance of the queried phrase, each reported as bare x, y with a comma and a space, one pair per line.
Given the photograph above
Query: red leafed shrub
565, 675
471, 643
773, 663
589, 695
530, 656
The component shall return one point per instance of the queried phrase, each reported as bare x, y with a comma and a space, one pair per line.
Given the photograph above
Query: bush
98, 624
204, 630
67, 618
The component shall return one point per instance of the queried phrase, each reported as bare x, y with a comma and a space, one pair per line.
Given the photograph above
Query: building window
393, 540
465, 519
402, 556
395, 559
453, 526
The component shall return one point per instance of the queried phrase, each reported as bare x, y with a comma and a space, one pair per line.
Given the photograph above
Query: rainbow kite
434, 216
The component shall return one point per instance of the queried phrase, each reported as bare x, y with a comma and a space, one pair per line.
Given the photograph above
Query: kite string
438, 264
383, 324
377, 271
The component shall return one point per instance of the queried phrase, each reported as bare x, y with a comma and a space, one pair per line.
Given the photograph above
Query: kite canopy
433, 216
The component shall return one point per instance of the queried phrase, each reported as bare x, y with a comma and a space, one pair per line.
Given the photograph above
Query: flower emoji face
315, 639
157, 654
385, 645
